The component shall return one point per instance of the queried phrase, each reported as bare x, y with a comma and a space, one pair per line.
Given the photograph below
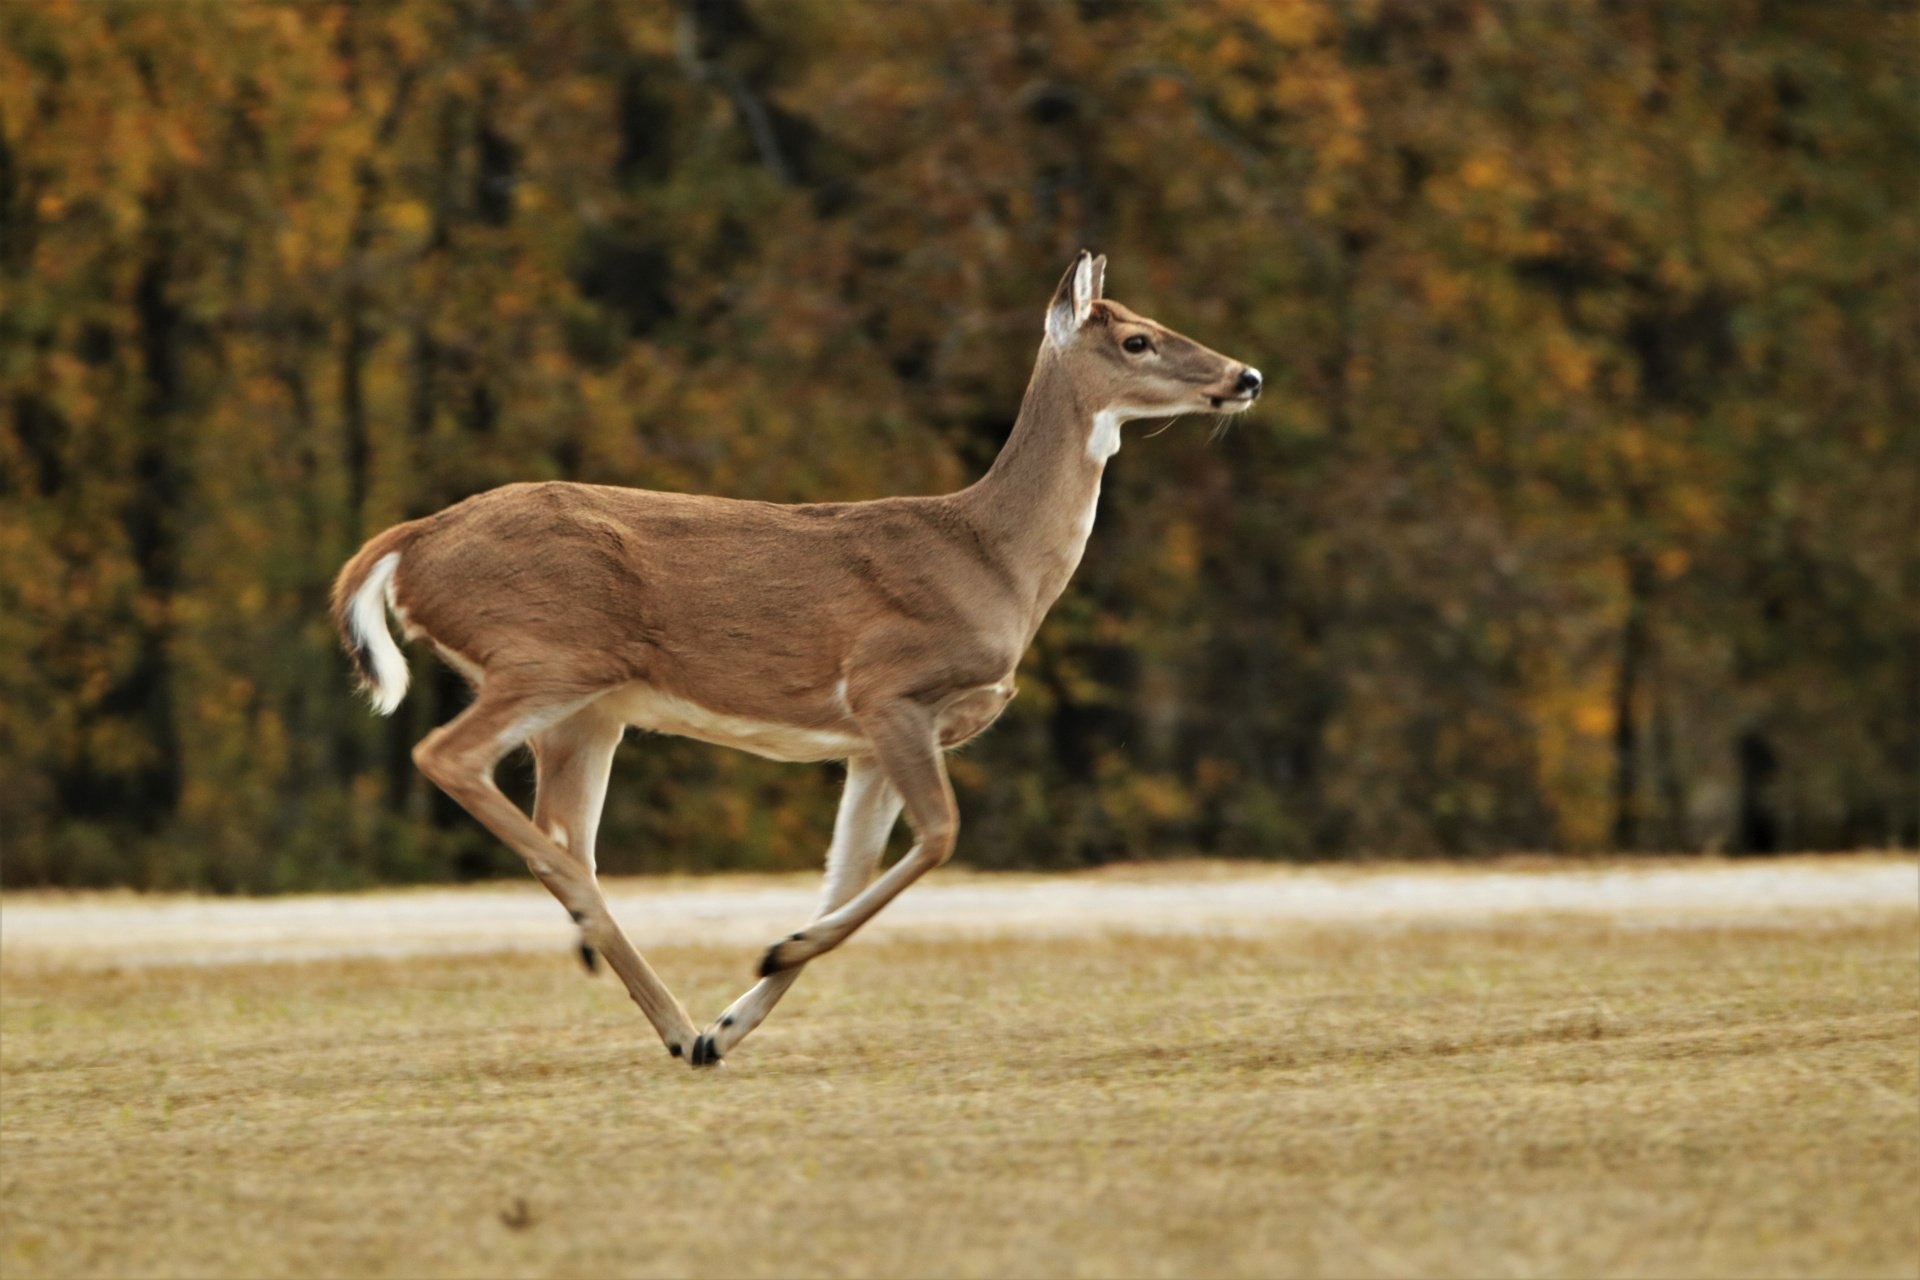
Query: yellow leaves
1676, 270
1232, 53
1165, 91
1571, 708
650, 28
176, 141
531, 200
1238, 99
1541, 242
1486, 171
1630, 442
292, 246
409, 217
1694, 508
17, 86
410, 38
1569, 363
289, 22
1291, 24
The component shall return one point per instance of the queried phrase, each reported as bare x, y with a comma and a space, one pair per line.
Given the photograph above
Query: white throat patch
1104, 440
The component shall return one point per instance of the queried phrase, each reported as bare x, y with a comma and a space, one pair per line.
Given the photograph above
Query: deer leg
869, 806
572, 760
908, 752
460, 757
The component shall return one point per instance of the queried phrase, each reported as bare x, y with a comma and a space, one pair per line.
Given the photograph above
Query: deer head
1124, 365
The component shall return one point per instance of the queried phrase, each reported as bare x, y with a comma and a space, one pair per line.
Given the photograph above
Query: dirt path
102, 930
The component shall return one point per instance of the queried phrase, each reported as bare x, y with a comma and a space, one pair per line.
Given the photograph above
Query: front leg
869, 806
740, 1018
907, 751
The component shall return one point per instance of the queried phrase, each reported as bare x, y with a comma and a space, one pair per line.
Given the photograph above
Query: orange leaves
1568, 362
410, 219
1487, 171
1294, 24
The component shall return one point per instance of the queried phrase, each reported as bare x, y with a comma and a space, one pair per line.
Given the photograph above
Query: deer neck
1036, 503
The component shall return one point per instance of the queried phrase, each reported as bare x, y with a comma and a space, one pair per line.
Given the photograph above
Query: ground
1622, 1088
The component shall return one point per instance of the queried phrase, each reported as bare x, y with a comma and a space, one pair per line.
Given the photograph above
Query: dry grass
1580, 1099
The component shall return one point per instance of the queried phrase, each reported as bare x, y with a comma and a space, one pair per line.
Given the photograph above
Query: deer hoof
705, 1052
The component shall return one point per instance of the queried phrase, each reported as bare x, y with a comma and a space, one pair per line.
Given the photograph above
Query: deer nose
1250, 381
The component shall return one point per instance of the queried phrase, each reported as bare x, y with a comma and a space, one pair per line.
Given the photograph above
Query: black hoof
770, 962
704, 1052
589, 957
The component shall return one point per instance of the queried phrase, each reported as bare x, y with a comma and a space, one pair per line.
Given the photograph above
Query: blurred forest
1582, 511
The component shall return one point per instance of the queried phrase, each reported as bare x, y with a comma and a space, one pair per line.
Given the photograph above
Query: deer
883, 633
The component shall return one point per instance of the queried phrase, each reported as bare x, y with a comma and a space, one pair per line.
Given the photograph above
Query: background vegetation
1583, 510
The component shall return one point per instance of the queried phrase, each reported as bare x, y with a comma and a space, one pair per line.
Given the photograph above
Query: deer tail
362, 594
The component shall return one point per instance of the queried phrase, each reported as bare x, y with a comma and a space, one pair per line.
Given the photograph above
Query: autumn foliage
1582, 510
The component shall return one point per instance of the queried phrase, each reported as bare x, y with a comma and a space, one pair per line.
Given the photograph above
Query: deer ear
1073, 299
1100, 276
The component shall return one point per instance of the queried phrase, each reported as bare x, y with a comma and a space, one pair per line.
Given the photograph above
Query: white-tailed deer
883, 633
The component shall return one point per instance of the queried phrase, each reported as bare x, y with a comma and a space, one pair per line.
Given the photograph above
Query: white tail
386, 680
882, 633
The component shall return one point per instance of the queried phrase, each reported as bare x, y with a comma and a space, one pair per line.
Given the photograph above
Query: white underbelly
645, 707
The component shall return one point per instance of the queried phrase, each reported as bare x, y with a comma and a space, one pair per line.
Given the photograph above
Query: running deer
882, 633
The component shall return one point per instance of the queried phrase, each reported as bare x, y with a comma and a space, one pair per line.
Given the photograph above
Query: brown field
1571, 1097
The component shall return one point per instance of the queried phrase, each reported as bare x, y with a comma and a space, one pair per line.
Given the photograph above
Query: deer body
697, 614
880, 632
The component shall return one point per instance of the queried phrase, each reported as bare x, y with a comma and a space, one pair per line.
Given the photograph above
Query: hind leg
460, 757
869, 806
572, 760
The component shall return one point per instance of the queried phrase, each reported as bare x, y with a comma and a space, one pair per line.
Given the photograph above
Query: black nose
1250, 381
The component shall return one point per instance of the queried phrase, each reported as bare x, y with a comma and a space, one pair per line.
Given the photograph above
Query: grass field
1571, 1097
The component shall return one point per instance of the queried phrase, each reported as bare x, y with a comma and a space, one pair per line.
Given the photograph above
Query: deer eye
1136, 344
